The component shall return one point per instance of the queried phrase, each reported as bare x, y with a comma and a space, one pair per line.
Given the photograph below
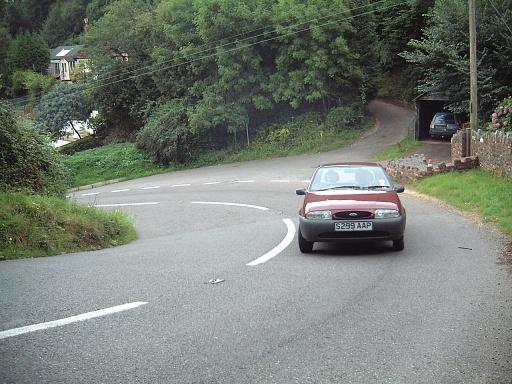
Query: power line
500, 16
37, 98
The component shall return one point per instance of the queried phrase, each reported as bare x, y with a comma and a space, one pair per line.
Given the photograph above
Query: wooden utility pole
473, 108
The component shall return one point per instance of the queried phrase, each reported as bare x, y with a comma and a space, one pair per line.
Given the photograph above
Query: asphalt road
434, 313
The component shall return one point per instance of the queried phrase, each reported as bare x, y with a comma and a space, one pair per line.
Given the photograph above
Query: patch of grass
116, 161
474, 191
398, 150
321, 142
33, 225
306, 134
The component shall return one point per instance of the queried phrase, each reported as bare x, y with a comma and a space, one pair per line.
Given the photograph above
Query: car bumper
323, 230
442, 132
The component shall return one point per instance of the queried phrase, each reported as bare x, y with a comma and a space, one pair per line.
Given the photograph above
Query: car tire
304, 245
398, 244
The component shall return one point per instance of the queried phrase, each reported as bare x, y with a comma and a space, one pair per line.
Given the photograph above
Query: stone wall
416, 167
493, 149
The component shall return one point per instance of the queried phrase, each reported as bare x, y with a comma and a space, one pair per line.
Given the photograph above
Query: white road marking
212, 183
279, 181
279, 248
120, 190
155, 187
233, 204
69, 320
127, 204
181, 185
243, 181
90, 194
305, 181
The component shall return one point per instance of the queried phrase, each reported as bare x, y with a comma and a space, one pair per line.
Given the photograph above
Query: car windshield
349, 177
447, 118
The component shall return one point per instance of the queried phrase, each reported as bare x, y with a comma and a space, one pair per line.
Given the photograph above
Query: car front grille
353, 215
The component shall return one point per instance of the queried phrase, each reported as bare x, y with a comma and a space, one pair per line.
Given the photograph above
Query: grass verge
474, 191
33, 225
116, 161
125, 161
398, 150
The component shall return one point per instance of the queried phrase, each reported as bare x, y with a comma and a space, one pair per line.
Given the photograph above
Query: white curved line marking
279, 248
69, 320
234, 204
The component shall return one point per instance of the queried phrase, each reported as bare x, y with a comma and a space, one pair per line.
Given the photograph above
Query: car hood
340, 200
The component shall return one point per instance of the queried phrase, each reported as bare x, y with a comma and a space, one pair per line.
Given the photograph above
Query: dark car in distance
351, 201
444, 124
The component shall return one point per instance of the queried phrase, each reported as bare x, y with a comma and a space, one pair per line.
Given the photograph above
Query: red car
349, 202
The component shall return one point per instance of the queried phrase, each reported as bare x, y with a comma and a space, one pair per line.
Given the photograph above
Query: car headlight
319, 215
386, 213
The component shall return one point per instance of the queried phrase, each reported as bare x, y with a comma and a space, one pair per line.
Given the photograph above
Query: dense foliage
189, 75
27, 160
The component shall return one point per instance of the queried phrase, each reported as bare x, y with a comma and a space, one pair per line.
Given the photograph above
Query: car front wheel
398, 245
304, 245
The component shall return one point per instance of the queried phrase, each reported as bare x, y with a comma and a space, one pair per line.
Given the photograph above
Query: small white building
65, 60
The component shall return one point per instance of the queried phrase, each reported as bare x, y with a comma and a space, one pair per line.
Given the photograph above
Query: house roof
68, 52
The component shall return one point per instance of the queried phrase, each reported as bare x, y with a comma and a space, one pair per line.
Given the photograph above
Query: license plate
353, 226
439, 126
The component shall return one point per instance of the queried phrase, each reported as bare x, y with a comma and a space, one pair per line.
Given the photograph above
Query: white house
66, 60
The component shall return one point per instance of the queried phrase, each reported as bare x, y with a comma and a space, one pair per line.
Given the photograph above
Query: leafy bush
87, 142
502, 116
343, 118
165, 135
32, 82
27, 160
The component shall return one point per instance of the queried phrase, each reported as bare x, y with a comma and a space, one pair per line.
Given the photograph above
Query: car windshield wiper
377, 186
340, 187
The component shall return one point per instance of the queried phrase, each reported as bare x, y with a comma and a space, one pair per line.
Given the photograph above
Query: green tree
121, 91
28, 51
26, 16
64, 22
316, 64
61, 106
96, 9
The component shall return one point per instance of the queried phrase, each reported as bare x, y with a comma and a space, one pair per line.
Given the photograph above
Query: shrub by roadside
27, 160
32, 225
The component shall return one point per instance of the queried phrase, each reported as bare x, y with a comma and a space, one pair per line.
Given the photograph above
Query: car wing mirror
300, 192
399, 188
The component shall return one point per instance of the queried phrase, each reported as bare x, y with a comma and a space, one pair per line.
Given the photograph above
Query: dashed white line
243, 181
120, 190
155, 187
279, 248
279, 181
305, 181
90, 194
212, 183
181, 185
232, 204
69, 320
126, 204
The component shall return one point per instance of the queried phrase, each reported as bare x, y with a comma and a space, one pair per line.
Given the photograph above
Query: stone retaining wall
493, 149
416, 167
